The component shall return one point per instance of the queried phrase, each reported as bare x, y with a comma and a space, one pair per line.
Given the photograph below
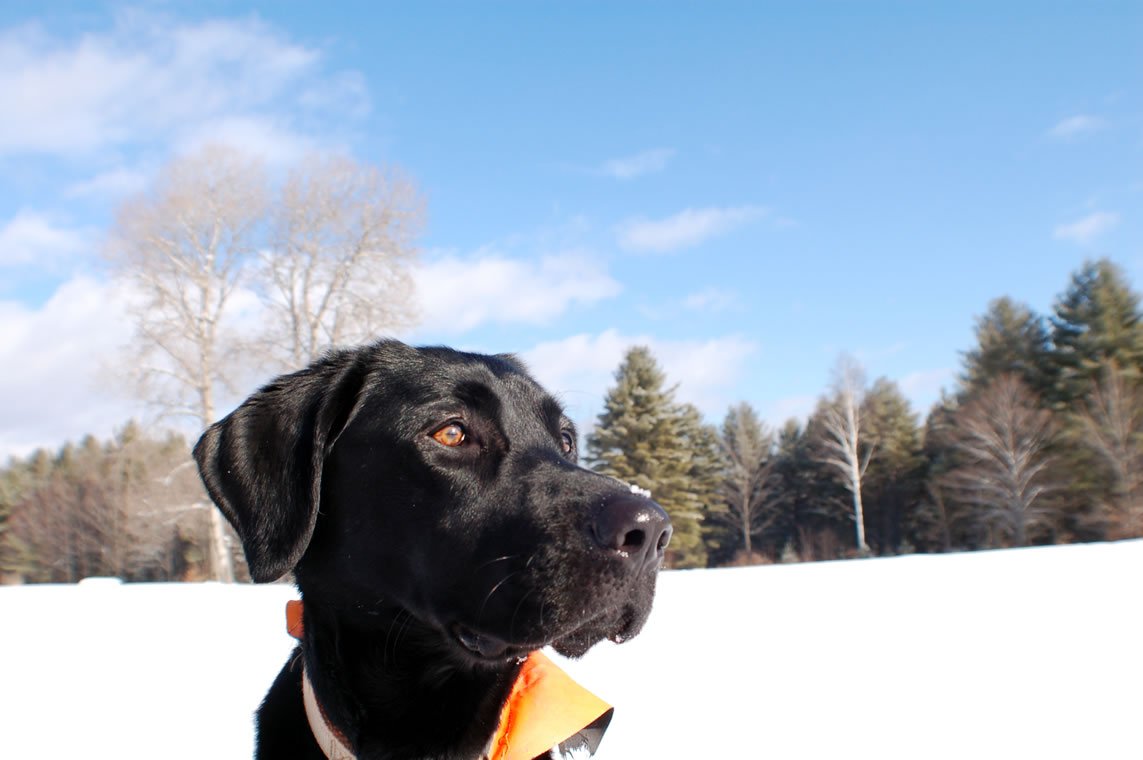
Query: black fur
427, 571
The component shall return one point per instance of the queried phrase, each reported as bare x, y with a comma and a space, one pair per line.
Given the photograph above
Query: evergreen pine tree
704, 470
931, 527
1096, 328
812, 505
1010, 338
1096, 323
636, 416
791, 490
644, 438
894, 482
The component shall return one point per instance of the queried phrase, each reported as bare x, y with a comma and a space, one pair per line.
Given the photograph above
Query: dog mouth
570, 623
489, 648
492, 649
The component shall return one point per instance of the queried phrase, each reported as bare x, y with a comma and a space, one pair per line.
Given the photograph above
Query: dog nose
633, 527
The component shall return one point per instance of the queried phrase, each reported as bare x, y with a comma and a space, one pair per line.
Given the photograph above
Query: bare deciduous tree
69, 519
323, 262
844, 438
337, 272
185, 250
1003, 438
1112, 424
163, 502
748, 447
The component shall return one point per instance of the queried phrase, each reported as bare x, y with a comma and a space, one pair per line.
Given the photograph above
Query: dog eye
451, 435
567, 442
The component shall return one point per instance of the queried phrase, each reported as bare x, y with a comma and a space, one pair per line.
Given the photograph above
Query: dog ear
262, 463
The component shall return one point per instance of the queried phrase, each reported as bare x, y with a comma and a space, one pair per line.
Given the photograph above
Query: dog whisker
397, 626
499, 583
498, 559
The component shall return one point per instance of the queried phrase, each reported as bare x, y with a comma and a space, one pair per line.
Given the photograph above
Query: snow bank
1028, 653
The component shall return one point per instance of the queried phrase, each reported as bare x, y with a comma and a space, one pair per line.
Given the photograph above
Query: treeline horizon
1040, 442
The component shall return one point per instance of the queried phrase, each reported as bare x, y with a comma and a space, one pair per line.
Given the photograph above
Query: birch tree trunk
844, 442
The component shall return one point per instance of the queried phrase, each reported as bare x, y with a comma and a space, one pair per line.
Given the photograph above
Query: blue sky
750, 188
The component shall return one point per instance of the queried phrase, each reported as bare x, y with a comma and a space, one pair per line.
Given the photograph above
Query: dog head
441, 483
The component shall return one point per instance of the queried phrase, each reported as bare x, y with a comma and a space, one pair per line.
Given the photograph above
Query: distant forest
1040, 442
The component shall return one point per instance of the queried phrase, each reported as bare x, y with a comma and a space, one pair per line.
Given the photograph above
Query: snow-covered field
1035, 653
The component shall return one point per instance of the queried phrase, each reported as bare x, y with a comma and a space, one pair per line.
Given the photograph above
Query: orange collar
545, 708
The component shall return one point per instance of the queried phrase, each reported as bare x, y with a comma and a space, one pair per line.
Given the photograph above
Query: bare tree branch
1111, 418
185, 249
337, 272
747, 446
1003, 438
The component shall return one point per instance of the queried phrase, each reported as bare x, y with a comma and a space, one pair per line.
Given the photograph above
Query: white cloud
34, 238
456, 294
580, 368
265, 137
67, 373
150, 79
1087, 229
1076, 126
110, 185
712, 299
685, 229
646, 162
54, 353
66, 349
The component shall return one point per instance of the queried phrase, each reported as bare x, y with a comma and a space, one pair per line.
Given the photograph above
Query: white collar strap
330, 740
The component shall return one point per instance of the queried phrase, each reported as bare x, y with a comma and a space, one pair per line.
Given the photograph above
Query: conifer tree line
130, 507
1040, 442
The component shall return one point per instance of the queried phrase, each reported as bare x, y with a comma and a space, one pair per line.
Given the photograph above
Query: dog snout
632, 527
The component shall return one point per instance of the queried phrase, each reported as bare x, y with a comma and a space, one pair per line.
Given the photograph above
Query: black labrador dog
429, 504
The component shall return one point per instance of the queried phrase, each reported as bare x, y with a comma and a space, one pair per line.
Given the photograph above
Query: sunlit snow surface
1034, 653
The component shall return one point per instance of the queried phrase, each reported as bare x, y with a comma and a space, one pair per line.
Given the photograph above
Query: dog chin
618, 628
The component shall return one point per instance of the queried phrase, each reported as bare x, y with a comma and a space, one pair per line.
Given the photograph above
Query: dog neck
387, 688
542, 709
329, 739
